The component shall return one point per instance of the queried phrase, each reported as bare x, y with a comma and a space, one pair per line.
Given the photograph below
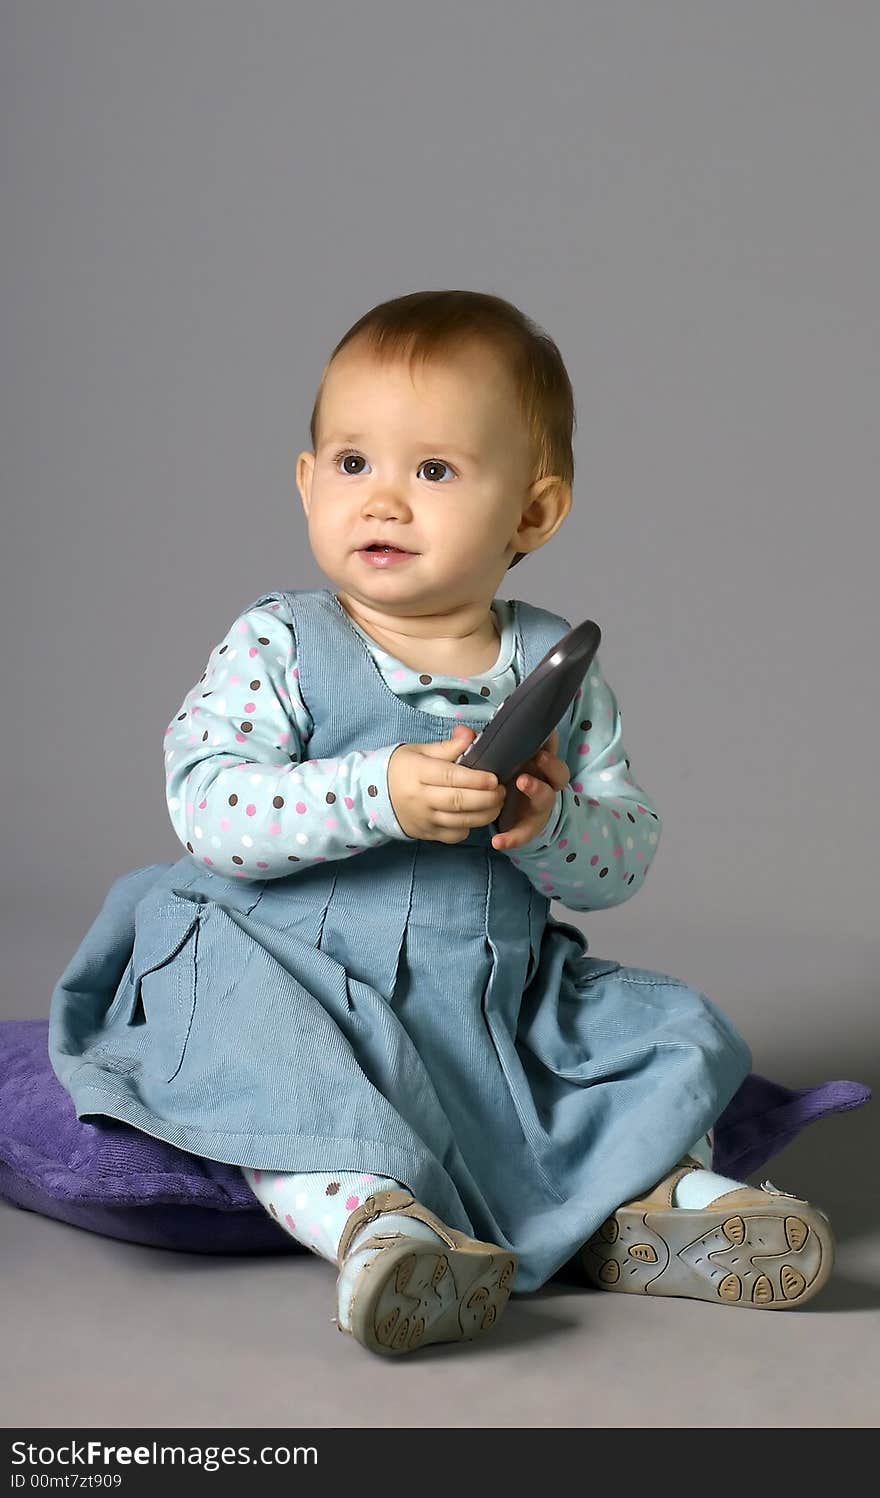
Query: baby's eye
353, 457
349, 458
435, 463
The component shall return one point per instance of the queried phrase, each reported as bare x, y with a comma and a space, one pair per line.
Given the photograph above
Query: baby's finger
554, 770
548, 746
539, 792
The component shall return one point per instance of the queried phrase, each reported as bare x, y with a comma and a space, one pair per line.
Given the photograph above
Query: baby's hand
437, 799
532, 796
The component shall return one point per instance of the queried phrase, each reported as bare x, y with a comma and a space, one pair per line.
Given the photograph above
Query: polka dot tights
313, 1207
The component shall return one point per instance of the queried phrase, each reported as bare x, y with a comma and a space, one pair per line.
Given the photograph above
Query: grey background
197, 200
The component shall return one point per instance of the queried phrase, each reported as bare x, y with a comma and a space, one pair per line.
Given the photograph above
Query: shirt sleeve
241, 797
603, 831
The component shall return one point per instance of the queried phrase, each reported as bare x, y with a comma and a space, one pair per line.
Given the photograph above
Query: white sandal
764, 1249
413, 1291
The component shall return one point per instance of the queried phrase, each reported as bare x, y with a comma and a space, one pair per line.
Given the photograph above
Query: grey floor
102, 1333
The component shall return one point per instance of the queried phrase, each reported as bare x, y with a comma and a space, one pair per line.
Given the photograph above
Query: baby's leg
704, 1149
405, 1278
701, 1186
313, 1206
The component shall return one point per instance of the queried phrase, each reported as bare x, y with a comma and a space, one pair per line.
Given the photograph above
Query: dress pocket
162, 993
588, 969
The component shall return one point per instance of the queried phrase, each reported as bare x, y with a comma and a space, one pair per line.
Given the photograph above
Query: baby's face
438, 463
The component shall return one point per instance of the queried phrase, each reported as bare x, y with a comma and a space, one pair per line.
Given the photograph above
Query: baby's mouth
377, 546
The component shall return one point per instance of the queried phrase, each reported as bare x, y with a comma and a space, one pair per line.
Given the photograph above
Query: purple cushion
105, 1176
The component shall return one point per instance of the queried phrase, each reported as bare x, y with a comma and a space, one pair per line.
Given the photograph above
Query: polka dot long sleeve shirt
244, 800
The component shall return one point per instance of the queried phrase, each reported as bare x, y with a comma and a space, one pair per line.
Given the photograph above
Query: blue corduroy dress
414, 1012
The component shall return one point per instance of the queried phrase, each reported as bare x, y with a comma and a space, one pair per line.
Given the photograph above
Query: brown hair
426, 324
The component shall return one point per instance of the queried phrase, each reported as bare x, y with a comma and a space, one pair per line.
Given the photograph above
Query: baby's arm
603, 831
239, 796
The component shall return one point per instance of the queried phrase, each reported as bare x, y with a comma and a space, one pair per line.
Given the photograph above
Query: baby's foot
411, 1280
763, 1248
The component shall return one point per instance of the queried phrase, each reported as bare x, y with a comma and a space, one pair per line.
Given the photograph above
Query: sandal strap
404, 1204
368, 1211
661, 1194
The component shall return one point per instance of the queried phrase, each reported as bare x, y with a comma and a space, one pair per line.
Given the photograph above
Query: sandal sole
768, 1258
411, 1294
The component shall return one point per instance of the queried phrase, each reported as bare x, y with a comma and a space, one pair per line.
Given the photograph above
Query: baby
350, 986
